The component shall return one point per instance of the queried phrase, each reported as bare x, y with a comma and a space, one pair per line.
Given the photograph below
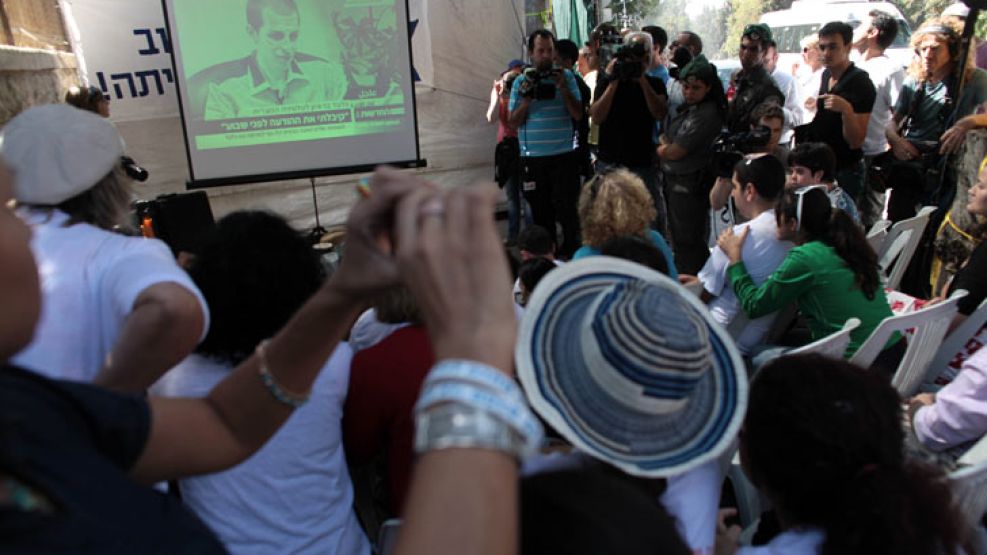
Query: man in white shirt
756, 185
870, 40
789, 86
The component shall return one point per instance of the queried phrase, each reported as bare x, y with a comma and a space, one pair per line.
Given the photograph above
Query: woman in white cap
73, 456
117, 311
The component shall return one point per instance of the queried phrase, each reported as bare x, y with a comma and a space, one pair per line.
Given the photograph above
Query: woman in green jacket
832, 274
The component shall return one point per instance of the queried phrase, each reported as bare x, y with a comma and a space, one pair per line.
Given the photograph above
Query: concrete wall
31, 76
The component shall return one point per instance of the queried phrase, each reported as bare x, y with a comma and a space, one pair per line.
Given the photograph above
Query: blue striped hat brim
560, 388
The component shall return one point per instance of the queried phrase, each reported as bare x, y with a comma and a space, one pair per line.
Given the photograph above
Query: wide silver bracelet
458, 426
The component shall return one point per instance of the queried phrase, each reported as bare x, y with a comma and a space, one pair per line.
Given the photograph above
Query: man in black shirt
628, 103
566, 55
843, 107
754, 84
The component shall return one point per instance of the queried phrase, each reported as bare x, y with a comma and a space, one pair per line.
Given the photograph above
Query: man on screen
274, 74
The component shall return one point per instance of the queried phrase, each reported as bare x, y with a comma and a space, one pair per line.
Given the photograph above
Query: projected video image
274, 71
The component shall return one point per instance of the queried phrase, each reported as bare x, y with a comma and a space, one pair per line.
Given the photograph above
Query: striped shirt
548, 129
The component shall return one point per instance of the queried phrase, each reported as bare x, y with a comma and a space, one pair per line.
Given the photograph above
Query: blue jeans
516, 207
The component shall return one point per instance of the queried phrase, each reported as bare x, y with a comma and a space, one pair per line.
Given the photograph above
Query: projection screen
278, 89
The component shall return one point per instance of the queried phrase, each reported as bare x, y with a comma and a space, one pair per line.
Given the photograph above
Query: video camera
730, 148
180, 220
539, 84
609, 41
630, 61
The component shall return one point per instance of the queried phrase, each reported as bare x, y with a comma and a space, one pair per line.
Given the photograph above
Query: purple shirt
959, 414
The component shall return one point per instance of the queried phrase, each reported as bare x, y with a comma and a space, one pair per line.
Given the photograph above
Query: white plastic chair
877, 233
898, 247
956, 340
969, 483
929, 323
387, 538
833, 345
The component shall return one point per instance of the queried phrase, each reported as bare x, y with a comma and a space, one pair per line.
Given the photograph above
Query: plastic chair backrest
969, 484
387, 539
833, 345
956, 340
929, 323
900, 244
878, 232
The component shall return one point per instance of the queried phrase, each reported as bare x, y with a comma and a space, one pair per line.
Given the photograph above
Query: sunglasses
799, 193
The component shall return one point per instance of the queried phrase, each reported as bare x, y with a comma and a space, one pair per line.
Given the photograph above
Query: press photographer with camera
730, 148
545, 101
628, 103
930, 102
684, 153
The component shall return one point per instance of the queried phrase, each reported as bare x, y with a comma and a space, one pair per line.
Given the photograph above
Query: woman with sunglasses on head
832, 275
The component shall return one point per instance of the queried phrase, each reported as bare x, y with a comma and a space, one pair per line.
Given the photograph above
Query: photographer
507, 155
925, 115
684, 154
628, 103
769, 118
545, 101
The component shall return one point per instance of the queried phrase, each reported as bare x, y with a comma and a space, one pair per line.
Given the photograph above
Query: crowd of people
253, 399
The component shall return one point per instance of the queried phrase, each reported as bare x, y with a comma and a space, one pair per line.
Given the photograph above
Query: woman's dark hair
821, 222
823, 439
85, 98
636, 249
533, 270
254, 271
706, 72
561, 513
766, 173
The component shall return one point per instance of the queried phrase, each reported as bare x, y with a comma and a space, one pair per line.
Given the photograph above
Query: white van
805, 17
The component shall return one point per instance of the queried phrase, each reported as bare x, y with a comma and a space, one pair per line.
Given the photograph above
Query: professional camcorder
610, 40
730, 148
539, 84
630, 61
137, 173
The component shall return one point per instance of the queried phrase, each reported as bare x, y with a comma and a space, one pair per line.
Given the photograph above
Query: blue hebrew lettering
143, 75
165, 42
167, 73
130, 80
151, 49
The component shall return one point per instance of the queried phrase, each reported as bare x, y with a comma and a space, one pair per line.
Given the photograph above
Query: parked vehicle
807, 16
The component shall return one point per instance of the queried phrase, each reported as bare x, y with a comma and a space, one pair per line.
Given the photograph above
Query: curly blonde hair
614, 203
928, 28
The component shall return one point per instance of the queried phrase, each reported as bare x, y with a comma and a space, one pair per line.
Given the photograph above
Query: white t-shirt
293, 495
90, 279
793, 542
789, 86
369, 331
887, 77
762, 254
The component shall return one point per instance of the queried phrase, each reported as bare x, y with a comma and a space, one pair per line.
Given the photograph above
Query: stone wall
30, 76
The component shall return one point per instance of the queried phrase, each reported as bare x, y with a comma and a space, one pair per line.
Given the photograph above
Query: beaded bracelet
280, 395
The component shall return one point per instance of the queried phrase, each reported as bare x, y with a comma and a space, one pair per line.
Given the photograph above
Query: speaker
180, 220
